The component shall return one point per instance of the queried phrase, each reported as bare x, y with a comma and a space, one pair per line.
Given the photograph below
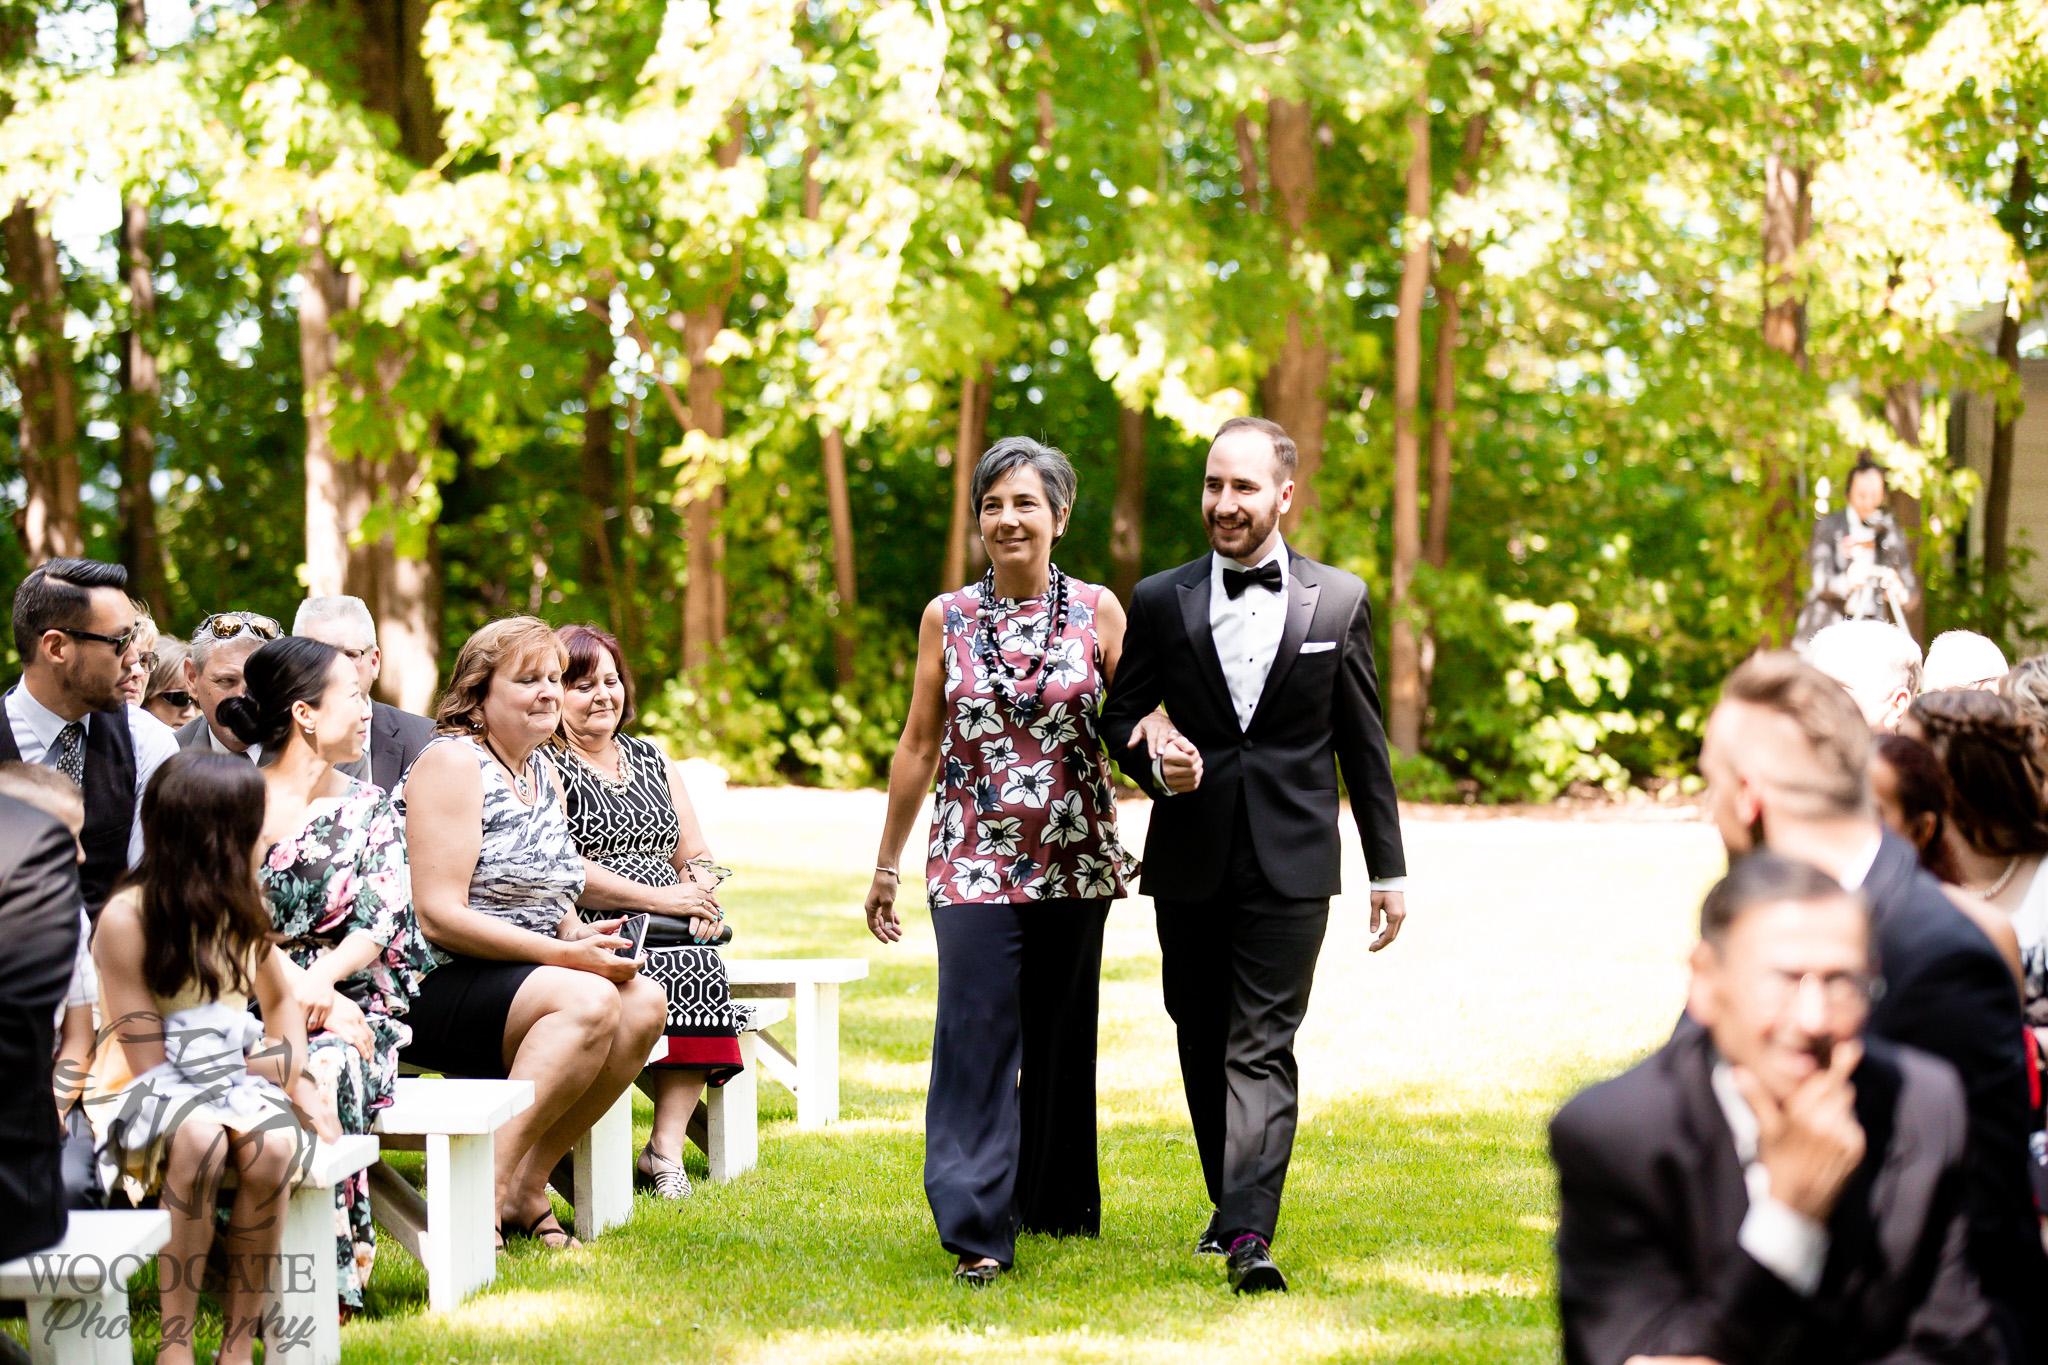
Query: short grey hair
1867, 654
1015, 452
2026, 687
353, 610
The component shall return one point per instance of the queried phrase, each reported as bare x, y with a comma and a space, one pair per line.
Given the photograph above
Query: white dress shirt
36, 728
1247, 631
254, 753
1858, 872
1781, 1239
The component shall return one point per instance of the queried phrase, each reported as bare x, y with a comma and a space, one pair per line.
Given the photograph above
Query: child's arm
74, 1057
286, 1022
125, 1002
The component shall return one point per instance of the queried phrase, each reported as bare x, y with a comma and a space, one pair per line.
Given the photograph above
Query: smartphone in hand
633, 929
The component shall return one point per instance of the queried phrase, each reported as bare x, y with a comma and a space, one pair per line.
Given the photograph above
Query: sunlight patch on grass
1451, 1283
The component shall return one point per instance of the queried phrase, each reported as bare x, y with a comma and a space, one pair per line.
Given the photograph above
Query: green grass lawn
1419, 1211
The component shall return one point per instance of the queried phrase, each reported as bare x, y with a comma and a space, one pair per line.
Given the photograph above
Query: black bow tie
1268, 575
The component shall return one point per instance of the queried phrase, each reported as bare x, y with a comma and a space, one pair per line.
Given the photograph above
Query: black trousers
1236, 972
1019, 986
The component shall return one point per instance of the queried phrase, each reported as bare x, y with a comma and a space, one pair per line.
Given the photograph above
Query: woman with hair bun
1998, 825
334, 875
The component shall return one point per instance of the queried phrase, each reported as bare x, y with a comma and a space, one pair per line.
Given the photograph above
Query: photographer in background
1862, 565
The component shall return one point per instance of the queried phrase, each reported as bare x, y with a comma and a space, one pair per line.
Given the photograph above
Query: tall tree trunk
50, 522
1454, 259
966, 450
1127, 519
2013, 215
344, 486
629, 529
839, 506
601, 508
1998, 488
1248, 164
1788, 219
704, 568
1902, 411
1292, 391
141, 391
704, 589
1404, 662
832, 455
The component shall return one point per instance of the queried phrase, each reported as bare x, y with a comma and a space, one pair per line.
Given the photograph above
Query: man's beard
108, 697
1243, 542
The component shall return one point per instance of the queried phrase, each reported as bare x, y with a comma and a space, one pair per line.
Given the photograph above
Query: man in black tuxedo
1770, 1186
396, 737
1263, 661
39, 924
1786, 760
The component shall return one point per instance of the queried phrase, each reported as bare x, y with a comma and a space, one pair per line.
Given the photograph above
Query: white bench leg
462, 1210
303, 1326
604, 1171
88, 1330
731, 1126
817, 1054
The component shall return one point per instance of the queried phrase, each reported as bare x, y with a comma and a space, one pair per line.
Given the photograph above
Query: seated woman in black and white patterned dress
644, 851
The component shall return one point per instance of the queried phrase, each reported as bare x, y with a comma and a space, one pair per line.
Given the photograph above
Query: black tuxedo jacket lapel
1194, 614
1723, 1194
1302, 591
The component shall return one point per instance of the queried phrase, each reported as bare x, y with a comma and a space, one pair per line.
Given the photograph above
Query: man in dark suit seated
1786, 758
396, 737
1771, 1185
39, 902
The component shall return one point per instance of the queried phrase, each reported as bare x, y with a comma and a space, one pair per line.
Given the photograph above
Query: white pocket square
1318, 646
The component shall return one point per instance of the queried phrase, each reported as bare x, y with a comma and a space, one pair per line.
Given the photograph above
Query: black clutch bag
666, 931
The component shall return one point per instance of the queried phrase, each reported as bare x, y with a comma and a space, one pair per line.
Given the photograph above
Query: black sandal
541, 1234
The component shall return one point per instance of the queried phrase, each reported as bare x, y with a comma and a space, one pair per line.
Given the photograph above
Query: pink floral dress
1023, 809
344, 871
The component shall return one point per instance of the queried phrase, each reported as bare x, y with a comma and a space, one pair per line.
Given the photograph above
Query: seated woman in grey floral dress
334, 876
523, 986
643, 850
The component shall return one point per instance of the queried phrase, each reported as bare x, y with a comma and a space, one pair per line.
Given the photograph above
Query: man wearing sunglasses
75, 632
396, 737
213, 673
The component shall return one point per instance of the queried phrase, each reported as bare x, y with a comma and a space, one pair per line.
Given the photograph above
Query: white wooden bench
303, 1325
308, 1304
725, 1127
77, 1290
449, 1228
811, 985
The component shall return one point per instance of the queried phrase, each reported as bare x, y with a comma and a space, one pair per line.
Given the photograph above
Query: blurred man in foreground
1771, 1185
1787, 759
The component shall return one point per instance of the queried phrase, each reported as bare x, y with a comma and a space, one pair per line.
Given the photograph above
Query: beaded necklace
1001, 676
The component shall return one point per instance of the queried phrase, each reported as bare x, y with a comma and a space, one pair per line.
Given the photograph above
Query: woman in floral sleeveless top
1023, 863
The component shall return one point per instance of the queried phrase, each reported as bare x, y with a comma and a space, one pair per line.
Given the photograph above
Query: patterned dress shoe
1251, 1267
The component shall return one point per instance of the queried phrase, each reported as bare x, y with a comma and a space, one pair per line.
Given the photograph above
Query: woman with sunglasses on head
213, 673
524, 988
644, 853
165, 696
